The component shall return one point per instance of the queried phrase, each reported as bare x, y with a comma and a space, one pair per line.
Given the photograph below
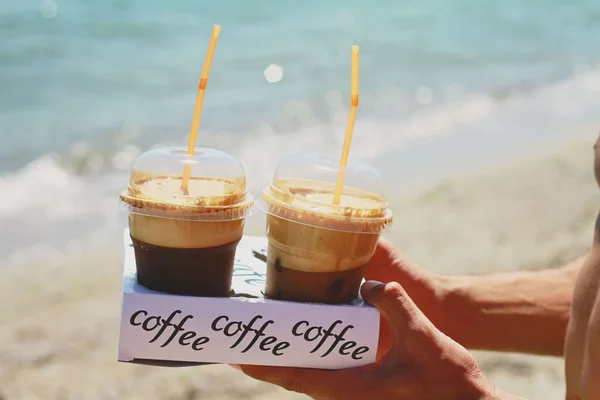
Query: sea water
86, 86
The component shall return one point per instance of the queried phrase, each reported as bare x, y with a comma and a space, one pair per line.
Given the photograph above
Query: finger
316, 383
412, 332
389, 264
385, 338
385, 253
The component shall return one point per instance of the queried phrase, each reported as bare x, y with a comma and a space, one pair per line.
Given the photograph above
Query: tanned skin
428, 322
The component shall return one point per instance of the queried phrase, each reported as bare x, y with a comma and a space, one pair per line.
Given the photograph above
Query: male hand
422, 362
430, 292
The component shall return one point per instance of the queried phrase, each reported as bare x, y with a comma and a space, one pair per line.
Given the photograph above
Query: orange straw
198, 109
339, 186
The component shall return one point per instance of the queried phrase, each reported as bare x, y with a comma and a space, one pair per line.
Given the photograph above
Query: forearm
521, 311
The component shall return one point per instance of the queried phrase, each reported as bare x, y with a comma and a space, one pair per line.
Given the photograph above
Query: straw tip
216, 29
355, 48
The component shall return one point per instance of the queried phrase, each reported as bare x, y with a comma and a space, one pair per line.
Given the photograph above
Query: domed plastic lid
216, 188
303, 190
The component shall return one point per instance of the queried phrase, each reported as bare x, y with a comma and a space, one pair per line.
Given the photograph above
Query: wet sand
59, 319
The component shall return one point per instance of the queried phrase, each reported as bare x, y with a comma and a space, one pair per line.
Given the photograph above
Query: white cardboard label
246, 329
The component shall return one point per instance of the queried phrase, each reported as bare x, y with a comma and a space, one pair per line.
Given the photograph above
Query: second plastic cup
318, 251
185, 241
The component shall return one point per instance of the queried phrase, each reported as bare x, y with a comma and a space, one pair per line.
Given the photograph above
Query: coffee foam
184, 234
322, 200
207, 198
168, 189
311, 202
311, 249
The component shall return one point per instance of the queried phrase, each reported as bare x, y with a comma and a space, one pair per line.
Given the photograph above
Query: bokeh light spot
345, 16
424, 95
274, 73
49, 9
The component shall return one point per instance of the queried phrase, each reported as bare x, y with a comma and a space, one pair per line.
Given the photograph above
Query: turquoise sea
85, 86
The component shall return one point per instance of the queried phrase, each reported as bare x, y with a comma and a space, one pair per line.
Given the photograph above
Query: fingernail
368, 285
236, 366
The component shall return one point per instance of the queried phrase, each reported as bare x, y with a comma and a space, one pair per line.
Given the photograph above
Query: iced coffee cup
185, 239
318, 251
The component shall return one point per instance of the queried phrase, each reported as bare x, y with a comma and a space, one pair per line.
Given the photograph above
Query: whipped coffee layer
307, 232
311, 249
183, 226
186, 234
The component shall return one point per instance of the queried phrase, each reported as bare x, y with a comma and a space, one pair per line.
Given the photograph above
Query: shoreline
84, 207
59, 320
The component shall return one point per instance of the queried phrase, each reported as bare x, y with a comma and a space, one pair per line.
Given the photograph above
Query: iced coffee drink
317, 251
185, 240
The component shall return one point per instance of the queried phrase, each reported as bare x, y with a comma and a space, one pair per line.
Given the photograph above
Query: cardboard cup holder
172, 330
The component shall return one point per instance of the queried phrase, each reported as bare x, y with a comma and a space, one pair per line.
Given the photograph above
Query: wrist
470, 386
482, 389
457, 308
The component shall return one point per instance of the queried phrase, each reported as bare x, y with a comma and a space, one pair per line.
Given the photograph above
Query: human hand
432, 293
422, 362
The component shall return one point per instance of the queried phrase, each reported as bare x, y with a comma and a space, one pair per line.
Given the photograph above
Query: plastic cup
318, 251
185, 242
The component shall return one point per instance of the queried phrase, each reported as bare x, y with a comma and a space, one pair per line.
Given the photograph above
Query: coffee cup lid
216, 189
303, 187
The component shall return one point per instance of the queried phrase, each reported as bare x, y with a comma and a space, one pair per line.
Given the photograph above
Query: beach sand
59, 319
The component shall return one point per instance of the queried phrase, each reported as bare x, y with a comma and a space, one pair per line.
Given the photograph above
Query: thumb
390, 264
412, 332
